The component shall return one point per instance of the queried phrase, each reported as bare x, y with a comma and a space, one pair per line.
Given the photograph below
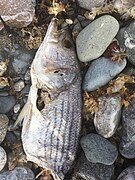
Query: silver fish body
50, 136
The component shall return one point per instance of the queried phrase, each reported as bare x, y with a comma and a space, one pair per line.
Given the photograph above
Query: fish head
55, 64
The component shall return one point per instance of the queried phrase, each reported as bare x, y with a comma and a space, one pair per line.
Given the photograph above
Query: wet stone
126, 37
19, 173
98, 149
100, 72
3, 158
93, 40
6, 103
89, 4
17, 13
93, 171
127, 144
127, 174
107, 117
3, 126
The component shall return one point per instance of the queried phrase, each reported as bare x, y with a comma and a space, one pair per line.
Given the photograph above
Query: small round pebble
3, 126
98, 149
93, 171
107, 117
93, 40
3, 158
127, 142
6, 103
127, 174
18, 173
100, 72
18, 86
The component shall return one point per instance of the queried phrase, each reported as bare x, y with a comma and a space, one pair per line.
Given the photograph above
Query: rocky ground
103, 32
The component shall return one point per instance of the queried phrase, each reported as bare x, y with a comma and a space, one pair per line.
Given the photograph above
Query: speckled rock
100, 72
107, 117
18, 86
123, 5
19, 173
6, 103
93, 171
98, 149
93, 40
3, 126
126, 37
127, 174
21, 59
3, 158
89, 4
17, 13
127, 144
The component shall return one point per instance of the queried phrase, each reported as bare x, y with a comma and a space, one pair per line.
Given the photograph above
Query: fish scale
56, 155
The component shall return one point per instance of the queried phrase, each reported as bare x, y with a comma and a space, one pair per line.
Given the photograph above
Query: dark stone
6, 103
127, 144
93, 171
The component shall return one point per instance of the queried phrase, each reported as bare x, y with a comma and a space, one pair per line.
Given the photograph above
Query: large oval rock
3, 126
107, 117
89, 4
3, 158
93, 40
127, 144
17, 13
98, 149
126, 37
100, 72
93, 171
19, 173
127, 174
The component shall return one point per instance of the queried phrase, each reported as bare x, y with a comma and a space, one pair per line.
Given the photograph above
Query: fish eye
67, 44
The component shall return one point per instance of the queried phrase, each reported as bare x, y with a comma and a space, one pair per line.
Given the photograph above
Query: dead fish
50, 136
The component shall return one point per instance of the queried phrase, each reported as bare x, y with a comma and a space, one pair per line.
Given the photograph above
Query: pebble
126, 38
6, 103
100, 72
3, 158
93, 40
127, 174
107, 117
93, 171
89, 4
3, 126
18, 86
98, 149
17, 108
17, 13
21, 59
127, 144
123, 5
19, 173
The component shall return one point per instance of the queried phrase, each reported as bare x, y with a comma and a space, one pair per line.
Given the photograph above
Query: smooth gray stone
107, 117
100, 72
89, 4
19, 173
98, 149
93, 171
6, 103
127, 174
93, 40
127, 144
126, 38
